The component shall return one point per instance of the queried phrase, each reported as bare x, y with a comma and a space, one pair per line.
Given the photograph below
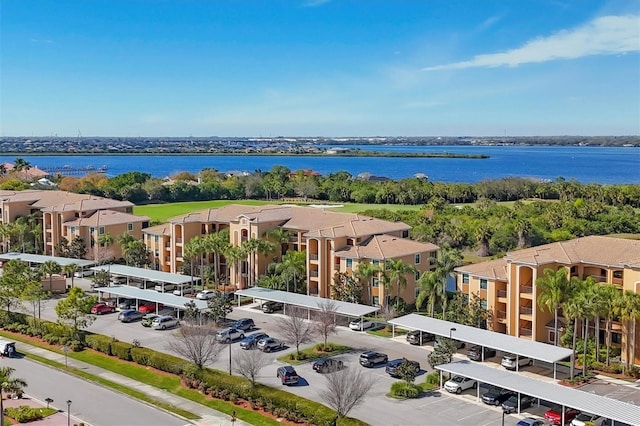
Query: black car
270, 307
327, 365
417, 337
244, 324
287, 375
511, 404
371, 359
496, 396
252, 340
475, 353
392, 366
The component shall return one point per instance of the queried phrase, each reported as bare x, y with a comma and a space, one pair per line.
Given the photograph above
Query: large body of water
585, 164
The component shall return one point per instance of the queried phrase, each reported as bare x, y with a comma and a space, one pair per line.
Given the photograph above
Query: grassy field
159, 213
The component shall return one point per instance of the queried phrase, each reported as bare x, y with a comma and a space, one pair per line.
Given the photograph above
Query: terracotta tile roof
163, 229
310, 218
106, 218
223, 214
491, 269
61, 200
362, 226
88, 204
595, 250
384, 246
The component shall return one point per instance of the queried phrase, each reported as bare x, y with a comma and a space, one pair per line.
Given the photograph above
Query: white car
583, 419
183, 291
459, 383
361, 324
205, 294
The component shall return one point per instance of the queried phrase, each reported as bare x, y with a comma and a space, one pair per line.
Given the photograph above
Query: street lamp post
48, 401
229, 356
451, 330
68, 412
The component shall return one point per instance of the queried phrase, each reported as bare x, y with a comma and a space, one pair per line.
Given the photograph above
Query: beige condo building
333, 242
507, 286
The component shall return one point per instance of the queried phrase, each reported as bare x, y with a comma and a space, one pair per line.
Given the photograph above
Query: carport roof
146, 274
309, 302
166, 299
585, 401
491, 339
37, 258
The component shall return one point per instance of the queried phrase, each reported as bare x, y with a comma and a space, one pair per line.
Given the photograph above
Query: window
73, 230
465, 278
405, 234
483, 283
375, 300
156, 238
417, 275
129, 226
417, 292
376, 282
417, 258
349, 263
92, 230
101, 230
617, 274
375, 262
387, 265
483, 304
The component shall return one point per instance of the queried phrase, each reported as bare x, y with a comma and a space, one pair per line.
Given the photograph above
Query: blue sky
320, 68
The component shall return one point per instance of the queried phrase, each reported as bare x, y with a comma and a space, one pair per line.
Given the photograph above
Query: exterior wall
160, 248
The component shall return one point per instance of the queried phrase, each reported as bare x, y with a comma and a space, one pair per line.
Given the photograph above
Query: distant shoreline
353, 154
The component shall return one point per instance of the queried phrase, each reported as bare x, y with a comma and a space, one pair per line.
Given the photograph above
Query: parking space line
473, 415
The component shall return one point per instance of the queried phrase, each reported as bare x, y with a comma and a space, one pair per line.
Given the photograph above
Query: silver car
268, 344
163, 322
227, 335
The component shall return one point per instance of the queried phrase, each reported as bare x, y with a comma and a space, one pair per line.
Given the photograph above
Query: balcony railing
293, 238
313, 274
526, 311
178, 240
526, 289
313, 256
525, 332
598, 278
501, 314
502, 293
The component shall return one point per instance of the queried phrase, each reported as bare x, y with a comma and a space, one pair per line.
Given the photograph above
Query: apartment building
507, 286
67, 215
333, 242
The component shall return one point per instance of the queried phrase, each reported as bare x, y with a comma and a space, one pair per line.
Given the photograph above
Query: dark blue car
252, 340
392, 366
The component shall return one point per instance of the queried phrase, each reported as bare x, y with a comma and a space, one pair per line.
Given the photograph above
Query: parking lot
438, 407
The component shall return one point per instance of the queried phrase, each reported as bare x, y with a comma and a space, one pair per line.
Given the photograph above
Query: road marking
473, 415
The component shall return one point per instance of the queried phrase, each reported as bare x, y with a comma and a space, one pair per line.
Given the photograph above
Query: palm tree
21, 164
609, 295
364, 272
218, 244
280, 237
293, 263
70, 270
587, 297
6, 232
629, 310
432, 288
523, 228
49, 268
553, 289
397, 274
483, 234
8, 384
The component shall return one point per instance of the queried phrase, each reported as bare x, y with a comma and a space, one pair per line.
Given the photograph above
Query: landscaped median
259, 405
316, 352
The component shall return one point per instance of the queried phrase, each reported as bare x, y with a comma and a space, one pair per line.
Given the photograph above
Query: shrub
100, 343
122, 350
167, 363
433, 378
405, 390
142, 356
24, 413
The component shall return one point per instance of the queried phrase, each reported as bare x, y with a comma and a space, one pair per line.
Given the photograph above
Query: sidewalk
209, 417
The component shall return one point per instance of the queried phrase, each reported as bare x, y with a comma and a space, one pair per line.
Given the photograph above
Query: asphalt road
91, 403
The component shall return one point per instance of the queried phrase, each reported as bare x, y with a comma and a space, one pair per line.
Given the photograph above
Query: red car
554, 415
149, 307
102, 308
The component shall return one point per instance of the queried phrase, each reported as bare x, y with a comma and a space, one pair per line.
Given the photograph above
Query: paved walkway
209, 417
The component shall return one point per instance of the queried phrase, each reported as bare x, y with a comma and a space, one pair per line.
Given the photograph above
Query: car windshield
584, 416
458, 379
512, 399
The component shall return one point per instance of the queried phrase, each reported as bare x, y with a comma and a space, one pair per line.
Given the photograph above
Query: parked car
166, 287
149, 307
327, 365
475, 353
205, 294
371, 358
244, 324
288, 375
417, 337
125, 304
361, 324
530, 421
229, 334
183, 291
511, 404
496, 396
457, 343
250, 341
583, 419
163, 322
130, 315
392, 366
102, 308
269, 344
271, 307
554, 415
83, 273
459, 383
509, 361
147, 319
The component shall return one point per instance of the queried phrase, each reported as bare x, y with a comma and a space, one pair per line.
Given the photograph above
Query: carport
147, 275
309, 302
617, 411
40, 259
485, 338
166, 299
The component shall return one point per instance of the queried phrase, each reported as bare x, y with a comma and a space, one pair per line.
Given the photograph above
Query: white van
83, 273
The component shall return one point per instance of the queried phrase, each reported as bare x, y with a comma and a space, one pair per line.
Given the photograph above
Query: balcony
501, 316
525, 311
313, 274
598, 278
313, 256
526, 332
293, 238
526, 291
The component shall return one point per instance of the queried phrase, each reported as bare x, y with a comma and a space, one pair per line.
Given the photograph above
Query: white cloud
606, 35
489, 22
